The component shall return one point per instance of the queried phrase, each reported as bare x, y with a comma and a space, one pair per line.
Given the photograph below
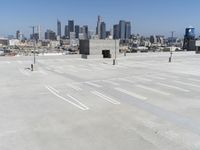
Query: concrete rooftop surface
143, 103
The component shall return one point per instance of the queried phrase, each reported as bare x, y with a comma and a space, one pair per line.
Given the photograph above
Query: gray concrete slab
143, 103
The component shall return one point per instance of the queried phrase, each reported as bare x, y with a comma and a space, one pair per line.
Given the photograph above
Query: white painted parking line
153, 90
126, 80
156, 77
142, 78
84, 106
105, 97
131, 94
74, 87
24, 72
196, 80
59, 71
19, 62
72, 70
85, 69
70, 66
111, 82
80, 106
173, 87
168, 76
43, 72
53, 89
93, 84
188, 84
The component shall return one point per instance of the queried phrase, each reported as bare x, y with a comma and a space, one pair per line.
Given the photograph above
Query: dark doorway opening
106, 54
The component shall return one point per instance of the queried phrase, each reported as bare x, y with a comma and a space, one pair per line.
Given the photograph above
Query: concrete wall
95, 47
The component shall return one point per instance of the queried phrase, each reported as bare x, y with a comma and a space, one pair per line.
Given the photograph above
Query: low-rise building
107, 48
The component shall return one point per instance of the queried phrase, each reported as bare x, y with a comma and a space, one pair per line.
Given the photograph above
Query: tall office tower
39, 32
122, 29
116, 31
128, 30
59, 28
71, 25
85, 31
66, 32
18, 35
50, 35
153, 39
98, 29
103, 30
77, 31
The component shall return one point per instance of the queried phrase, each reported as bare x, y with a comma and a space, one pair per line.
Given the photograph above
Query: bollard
114, 62
31, 67
170, 59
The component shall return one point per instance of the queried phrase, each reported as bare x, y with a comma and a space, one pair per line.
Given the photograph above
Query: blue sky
147, 16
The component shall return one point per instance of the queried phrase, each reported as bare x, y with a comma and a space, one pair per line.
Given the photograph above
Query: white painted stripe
126, 80
24, 72
55, 90
156, 77
153, 90
72, 103
168, 76
141, 78
173, 87
74, 87
59, 71
111, 82
71, 66
131, 94
93, 84
105, 97
86, 108
43, 72
188, 84
196, 80
19, 62
85, 69
75, 71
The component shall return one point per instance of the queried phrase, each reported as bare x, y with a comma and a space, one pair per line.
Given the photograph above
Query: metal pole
171, 53
114, 61
33, 36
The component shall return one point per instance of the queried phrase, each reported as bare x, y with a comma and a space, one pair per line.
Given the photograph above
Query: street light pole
34, 43
171, 53
114, 61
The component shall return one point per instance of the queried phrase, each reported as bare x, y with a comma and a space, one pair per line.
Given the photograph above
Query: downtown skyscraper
59, 30
122, 30
98, 28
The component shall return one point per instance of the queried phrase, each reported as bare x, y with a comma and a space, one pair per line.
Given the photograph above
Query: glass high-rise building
85, 31
77, 31
128, 30
71, 25
59, 28
103, 30
116, 31
66, 31
98, 28
122, 29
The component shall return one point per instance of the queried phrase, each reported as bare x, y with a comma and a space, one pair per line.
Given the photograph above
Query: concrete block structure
197, 44
107, 48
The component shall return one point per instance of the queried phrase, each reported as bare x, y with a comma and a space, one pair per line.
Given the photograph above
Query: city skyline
147, 17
